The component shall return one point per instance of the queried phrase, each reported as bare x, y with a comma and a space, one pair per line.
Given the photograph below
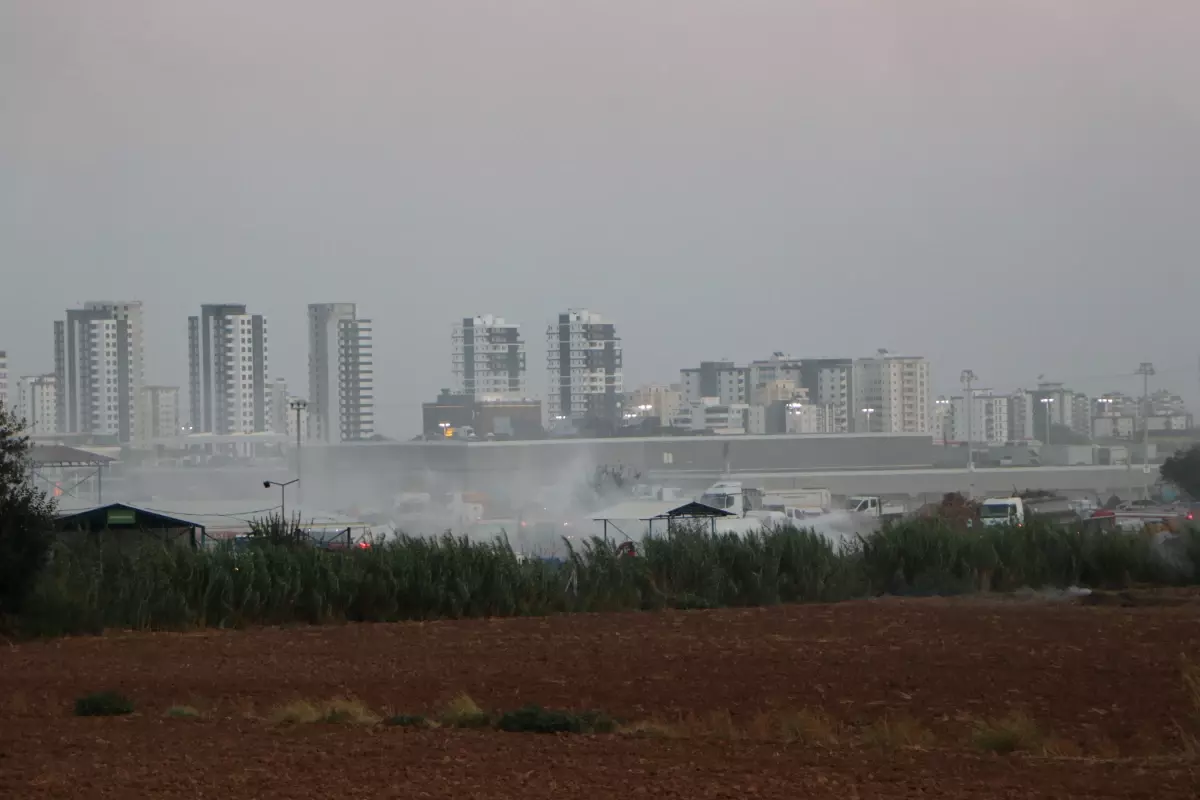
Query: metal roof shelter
59, 456
649, 511
122, 517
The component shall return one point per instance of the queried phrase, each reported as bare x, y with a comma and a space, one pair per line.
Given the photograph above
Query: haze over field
1010, 187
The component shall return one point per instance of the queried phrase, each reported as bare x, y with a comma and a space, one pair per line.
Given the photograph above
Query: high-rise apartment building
37, 403
488, 358
893, 394
3, 378
981, 418
99, 368
160, 407
583, 362
722, 380
341, 374
227, 370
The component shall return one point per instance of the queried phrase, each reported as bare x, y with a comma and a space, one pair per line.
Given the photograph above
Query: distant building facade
99, 369
488, 358
897, 390
37, 403
160, 404
228, 359
341, 374
584, 368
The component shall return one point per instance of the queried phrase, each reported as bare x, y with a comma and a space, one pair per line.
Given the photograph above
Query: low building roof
659, 509
120, 515
59, 455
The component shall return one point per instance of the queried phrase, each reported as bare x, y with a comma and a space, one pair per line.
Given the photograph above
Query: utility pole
1146, 369
299, 405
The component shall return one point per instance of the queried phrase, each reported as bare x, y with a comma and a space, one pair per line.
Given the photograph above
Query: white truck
799, 503
873, 506
745, 503
998, 511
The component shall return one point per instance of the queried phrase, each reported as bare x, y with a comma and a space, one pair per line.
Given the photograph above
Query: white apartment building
942, 423
488, 359
160, 405
720, 379
980, 419
1020, 416
898, 390
285, 416
809, 418
655, 400
710, 414
37, 403
227, 370
828, 382
4, 378
99, 369
341, 374
583, 364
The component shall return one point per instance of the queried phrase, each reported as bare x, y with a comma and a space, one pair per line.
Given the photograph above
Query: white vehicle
997, 511
811, 501
745, 503
872, 505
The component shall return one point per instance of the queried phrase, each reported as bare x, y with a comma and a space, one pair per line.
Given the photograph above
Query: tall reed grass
151, 585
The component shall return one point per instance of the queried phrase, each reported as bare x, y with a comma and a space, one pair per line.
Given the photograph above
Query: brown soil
1104, 680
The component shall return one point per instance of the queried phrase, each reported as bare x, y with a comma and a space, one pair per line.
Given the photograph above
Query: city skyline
534, 382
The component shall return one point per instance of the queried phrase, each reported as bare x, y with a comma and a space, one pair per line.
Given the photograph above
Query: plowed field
1102, 682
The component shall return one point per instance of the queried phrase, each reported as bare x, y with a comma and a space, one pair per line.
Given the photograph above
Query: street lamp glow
868, 412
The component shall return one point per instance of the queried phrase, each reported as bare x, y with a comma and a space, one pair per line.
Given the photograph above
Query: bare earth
1105, 679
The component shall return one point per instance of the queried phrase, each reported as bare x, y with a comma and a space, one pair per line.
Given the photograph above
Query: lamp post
282, 494
298, 405
1047, 401
868, 412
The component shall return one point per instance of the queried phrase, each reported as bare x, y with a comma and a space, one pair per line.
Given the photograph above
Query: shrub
1013, 733
103, 704
898, 731
26, 519
182, 712
338, 711
462, 712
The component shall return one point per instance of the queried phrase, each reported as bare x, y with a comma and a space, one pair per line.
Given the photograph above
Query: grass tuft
409, 721
1014, 733
338, 711
182, 712
103, 704
899, 731
463, 712
806, 727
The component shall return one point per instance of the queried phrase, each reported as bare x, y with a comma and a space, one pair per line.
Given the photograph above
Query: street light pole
868, 412
299, 405
282, 494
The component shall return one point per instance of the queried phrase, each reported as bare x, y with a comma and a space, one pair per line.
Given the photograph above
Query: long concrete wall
361, 473
369, 475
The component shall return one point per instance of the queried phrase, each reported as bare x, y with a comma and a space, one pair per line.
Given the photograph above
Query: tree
26, 517
1183, 470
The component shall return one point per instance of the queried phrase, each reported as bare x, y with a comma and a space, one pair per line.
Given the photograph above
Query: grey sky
1012, 187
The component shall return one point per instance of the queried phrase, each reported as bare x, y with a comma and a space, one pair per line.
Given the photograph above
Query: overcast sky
1012, 187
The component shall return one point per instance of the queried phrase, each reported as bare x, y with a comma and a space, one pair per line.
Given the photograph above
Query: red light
1190, 516
364, 545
